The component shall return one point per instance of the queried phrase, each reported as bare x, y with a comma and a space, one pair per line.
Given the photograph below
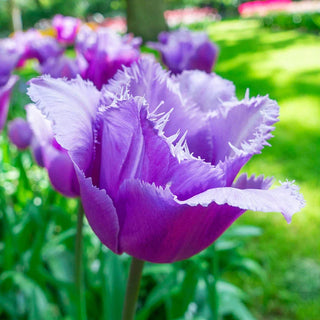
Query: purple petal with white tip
285, 199
71, 106
154, 227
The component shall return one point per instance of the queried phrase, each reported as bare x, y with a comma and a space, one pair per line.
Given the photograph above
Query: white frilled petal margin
156, 228
132, 147
146, 78
149, 223
242, 128
40, 126
71, 106
285, 199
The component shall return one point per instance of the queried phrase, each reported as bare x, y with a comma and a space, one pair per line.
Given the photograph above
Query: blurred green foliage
285, 65
226, 8
304, 21
34, 10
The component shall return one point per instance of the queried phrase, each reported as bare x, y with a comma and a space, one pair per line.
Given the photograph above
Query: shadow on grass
247, 58
286, 66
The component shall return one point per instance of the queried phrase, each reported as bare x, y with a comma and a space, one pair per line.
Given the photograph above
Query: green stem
104, 291
215, 274
79, 285
133, 286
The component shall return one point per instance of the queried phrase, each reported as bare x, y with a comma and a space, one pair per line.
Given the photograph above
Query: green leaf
226, 245
36, 301
113, 286
250, 266
230, 304
186, 293
8, 305
243, 231
157, 295
226, 288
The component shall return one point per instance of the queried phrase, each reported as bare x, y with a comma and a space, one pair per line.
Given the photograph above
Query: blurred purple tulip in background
66, 28
19, 133
64, 67
5, 93
106, 52
49, 154
186, 50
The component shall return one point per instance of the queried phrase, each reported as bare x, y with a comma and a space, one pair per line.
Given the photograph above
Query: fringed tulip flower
49, 154
144, 193
106, 52
66, 28
19, 133
219, 128
5, 93
186, 50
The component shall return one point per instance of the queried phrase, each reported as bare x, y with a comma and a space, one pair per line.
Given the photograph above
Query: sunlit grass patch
286, 66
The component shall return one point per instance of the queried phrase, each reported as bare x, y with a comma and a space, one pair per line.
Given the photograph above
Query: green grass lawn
285, 65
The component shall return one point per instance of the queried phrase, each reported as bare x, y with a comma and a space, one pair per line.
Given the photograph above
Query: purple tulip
186, 50
144, 193
66, 28
64, 67
49, 154
10, 53
44, 48
5, 93
37, 46
106, 53
25, 39
19, 133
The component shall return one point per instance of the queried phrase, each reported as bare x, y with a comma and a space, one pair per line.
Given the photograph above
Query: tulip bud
19, 133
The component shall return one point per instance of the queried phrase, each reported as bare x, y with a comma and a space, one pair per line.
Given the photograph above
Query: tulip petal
285, 199
61, 171
40, 126
253, 182
100, 212
132, 147
147, 79
207, 92
5, 92
194, 176
243, 128
155, 228
72, 107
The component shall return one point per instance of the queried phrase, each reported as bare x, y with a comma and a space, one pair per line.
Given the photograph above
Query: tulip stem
79, 285
216, 276
133, 287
